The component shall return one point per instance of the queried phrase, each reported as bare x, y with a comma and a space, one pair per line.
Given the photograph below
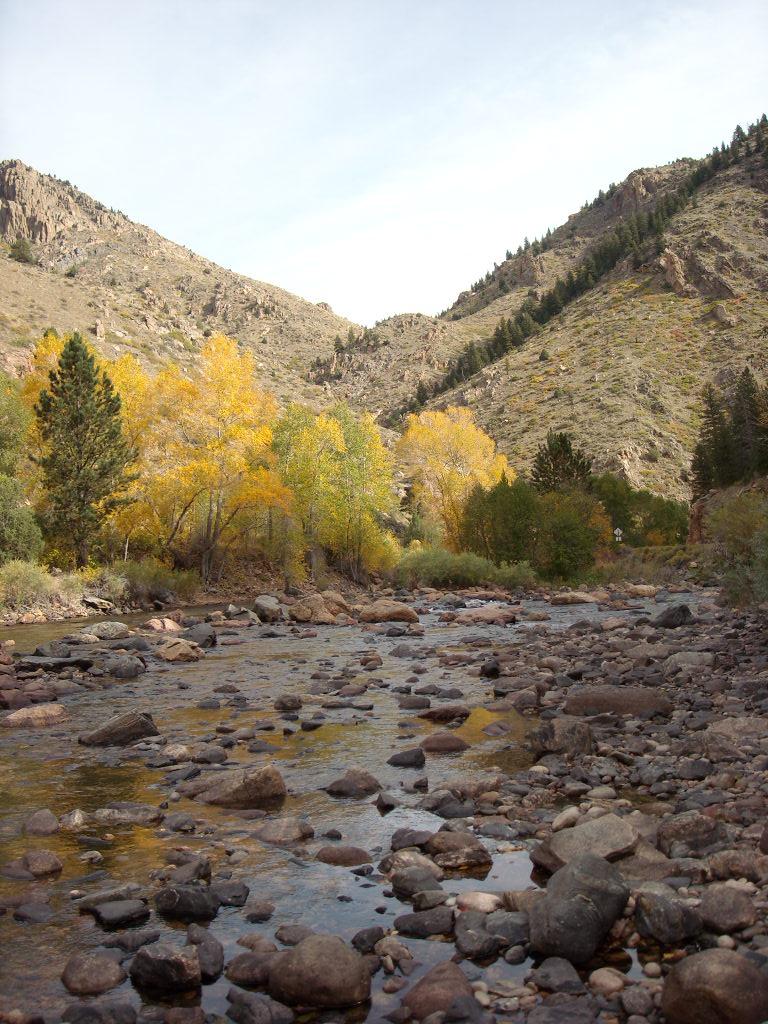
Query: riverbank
436, 772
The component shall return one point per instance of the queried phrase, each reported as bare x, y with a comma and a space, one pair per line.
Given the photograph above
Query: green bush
436, 567
106, 582
23, 584
20, 536
739, 531
21, 251
150, 580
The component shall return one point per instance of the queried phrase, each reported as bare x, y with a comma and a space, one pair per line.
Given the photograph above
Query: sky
378, 155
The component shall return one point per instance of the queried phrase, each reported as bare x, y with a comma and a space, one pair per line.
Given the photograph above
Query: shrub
106, 582
24, 583
150, 580
20, 537
21, 251
739, 530
436, 567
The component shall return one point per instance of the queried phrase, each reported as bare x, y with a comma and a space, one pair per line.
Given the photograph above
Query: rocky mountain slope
623, 366
126, 288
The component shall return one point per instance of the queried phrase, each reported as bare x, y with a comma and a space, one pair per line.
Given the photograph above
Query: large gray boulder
582, 901
609, 836
716, 986
321, 971
241, 788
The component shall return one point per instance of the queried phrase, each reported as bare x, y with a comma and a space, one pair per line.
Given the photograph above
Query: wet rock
91, 974
444, 743
187, 903
108, 630
607, 981
250, 970
411, 758
608, 836
260, 910
355, 784
668, 921
343, 856
557, 975
289, 702
100, 1012
293, 934
415, 878
163, 968
41, 823
617, 700
565, 735
131, 939
119, 913
203, 635
473, 940
39, 716
121, 730
725, 909
582, 901
322, 971
673, 617
511, 925
230, 894
241, 788
284, 831
452, 850
40, 863
178, 650
256, 1008
437, 990
365, 940
690, 834
716, 986
422, 924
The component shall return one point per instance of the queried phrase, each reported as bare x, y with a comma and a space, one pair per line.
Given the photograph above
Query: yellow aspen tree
445, 454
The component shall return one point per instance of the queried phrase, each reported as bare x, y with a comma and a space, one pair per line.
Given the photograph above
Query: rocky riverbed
437, 807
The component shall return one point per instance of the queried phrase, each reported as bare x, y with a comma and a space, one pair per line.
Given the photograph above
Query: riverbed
47, 769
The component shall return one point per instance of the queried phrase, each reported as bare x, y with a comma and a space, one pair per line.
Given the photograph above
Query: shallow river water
47, 768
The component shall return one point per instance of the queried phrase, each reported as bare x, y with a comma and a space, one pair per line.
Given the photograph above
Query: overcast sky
375, 154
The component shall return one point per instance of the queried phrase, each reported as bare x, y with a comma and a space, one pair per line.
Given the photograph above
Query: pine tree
558, 465
86, 458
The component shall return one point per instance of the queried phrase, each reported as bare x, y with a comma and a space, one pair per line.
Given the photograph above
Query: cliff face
129, 289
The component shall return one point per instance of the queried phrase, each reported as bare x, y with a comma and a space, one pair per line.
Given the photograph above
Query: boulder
187, 903
343, 856
443, 743
608, 836
413, 757
179, 650
108, 630
121, 730
158, 625
284, 831
210, 952
573, 597
203, 634
356, 784
244, 788
452, 850
492, 615
725, 909
716, 986
564, 735
39, 716
41, 823
256, 1008
312, 609
581, 904
387, 610
321, 971
91, 973
162, 968
268, 608
674, 616
617, 700
437, 990
668, 921
423, 923
690, 834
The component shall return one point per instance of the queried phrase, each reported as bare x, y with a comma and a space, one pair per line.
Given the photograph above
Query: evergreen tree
558, 465
86, 453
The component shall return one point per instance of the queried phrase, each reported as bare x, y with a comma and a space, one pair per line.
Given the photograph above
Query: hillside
623, 366
127, 289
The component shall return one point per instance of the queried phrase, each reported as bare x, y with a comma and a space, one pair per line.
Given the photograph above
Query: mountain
128, 289
637, 301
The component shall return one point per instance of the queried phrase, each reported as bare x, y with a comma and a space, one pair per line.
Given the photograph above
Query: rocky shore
547, 811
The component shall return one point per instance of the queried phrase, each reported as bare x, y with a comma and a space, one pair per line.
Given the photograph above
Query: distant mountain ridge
621, 365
